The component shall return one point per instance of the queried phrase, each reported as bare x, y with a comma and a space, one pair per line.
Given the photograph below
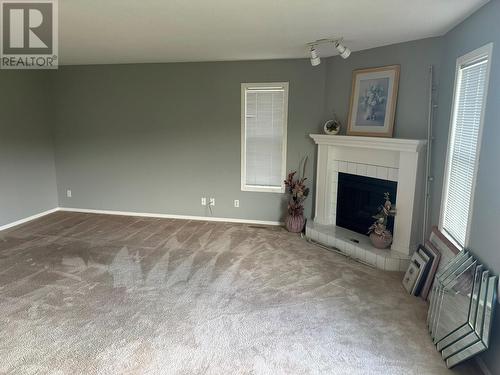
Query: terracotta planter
381, 242
295, 224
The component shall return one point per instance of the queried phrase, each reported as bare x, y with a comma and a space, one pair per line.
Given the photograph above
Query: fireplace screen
358, 199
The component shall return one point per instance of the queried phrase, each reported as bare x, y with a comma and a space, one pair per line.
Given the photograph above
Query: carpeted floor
97, 294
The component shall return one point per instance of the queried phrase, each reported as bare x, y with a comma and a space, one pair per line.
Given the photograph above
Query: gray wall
414, 58
157, 137
27, 172
481, 28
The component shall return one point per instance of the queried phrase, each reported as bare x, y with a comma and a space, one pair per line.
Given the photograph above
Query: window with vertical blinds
464, 142
264, 122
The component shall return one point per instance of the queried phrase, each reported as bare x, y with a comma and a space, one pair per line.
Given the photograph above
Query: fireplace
358, 199
353, 173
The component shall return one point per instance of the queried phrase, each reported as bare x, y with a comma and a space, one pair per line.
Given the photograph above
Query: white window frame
244, 185
477, 54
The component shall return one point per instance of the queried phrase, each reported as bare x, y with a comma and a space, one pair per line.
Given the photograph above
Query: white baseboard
140, 214
169, 216
29, 218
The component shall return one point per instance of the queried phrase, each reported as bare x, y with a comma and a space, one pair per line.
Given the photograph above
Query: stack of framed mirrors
463, 300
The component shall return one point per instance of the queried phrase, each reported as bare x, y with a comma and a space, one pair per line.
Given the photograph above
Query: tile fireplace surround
399, 160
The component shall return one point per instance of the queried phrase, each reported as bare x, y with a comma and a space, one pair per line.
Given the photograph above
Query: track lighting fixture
344, 52
315, 60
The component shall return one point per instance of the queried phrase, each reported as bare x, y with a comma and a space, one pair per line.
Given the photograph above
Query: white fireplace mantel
390, 144
400, 160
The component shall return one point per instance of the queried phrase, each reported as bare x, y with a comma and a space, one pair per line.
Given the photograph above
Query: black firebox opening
358, 199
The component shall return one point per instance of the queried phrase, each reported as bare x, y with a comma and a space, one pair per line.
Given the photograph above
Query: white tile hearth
357, 246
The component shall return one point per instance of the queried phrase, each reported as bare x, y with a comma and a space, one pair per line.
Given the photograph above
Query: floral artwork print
372, 102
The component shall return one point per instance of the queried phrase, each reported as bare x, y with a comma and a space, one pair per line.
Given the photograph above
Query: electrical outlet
68, 193
236, 203
203, 201
212, 202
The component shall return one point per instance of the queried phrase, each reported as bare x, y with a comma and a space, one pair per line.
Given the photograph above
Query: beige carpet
96, 294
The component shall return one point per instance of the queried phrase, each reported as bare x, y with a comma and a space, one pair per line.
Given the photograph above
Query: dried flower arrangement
379, 234
298, 193
296, 188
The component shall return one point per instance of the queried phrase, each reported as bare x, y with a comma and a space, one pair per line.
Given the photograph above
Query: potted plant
380, 236
298, 192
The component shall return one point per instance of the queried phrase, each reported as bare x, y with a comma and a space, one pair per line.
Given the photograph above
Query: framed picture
414, 272
447, 249
435, 257
373, 101
424, 267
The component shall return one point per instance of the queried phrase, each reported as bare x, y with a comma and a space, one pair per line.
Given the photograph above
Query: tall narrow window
264, 108
471, 86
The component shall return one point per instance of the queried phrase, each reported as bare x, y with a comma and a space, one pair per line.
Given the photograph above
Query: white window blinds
264, 124
463, 148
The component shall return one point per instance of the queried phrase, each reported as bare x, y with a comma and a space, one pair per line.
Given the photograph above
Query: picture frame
372, 108
424, 267
435, 256
449, 252
414, 272
410, 276
447, 249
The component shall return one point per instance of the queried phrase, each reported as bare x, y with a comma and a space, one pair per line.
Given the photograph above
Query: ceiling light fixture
344, 52
315, 60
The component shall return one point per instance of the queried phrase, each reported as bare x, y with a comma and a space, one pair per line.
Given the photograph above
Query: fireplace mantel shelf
390, 144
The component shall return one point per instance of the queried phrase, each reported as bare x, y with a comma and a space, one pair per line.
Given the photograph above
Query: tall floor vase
295, 223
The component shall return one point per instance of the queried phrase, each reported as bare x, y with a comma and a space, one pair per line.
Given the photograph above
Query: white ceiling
135, 31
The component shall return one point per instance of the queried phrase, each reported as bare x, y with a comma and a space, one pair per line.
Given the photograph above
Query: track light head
315, 59
343, 50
